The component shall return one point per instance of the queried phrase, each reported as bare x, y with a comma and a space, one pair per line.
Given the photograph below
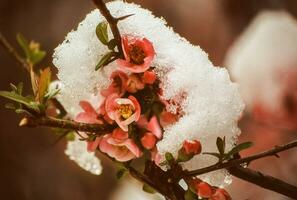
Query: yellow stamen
126, 111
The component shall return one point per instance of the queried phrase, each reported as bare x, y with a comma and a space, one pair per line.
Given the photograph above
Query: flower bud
220, 194
148, 141
149, 77
192, 147
204, 190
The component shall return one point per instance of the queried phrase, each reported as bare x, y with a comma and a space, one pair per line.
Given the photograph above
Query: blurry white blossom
210, 102
264, 63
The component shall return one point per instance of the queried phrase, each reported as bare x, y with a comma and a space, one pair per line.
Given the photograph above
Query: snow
212, 105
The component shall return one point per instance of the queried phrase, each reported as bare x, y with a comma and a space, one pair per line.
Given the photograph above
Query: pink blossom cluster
206, 191
132, 104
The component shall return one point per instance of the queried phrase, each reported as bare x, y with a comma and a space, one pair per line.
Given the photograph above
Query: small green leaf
169, 157
37, 56
238, 148
112, 44
121, 173
23, 42
221, 145
22, 111
101, 32
31, 49
51, 94
105, 60
189, 195
13, 87
15, 97
20, 88
183, 156
148, 189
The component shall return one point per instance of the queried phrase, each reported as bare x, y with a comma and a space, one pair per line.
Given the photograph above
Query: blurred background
33, 167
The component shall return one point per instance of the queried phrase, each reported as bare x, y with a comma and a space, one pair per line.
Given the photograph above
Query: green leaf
101, 32
221, 145
70, 136
148, 189
121, 173
37, 56
15, 97
51, 94
20, 88
189, 195
112, 44
23, 42
13, 87
31, 49
213, 154
44, 81
104, 60
22, 111
183, 156
169, 157
238, 148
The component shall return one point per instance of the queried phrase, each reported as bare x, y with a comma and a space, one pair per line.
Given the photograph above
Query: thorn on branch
112, 23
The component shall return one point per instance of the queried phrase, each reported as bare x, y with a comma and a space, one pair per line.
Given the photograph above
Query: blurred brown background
31, 167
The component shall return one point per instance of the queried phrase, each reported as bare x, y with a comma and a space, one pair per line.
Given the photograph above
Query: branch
113, 22
66, 124
6, 45
236, 162
265, 181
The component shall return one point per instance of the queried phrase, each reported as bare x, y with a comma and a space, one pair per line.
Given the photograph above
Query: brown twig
6, 45
236, 162
66, 124
113, 23
264, 181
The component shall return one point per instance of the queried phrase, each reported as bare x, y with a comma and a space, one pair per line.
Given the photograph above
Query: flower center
136, 55
125, 110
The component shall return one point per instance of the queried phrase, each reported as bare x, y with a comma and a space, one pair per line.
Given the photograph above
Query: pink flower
220, 194
118, 85
139, 54
149, 140
152, 126
89, 115
134, 83
117, 145
204, 190
123, 110
192, 147
93, 145
149, 77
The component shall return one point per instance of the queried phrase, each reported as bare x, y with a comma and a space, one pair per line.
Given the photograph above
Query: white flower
263, 56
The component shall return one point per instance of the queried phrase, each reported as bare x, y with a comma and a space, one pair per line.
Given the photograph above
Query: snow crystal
262, 53
212, 105
77, 151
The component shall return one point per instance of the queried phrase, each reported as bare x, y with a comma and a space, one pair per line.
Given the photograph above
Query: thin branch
113, 23
264, 181
66, 124
8, 47
236, 162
